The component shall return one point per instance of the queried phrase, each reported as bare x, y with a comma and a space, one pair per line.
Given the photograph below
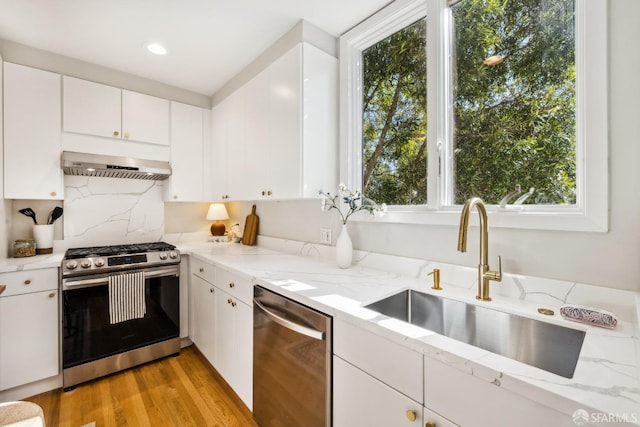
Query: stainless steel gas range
121, 308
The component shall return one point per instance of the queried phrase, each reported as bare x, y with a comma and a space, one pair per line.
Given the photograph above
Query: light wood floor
174, 391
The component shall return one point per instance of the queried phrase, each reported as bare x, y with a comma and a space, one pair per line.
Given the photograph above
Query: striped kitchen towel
126, 297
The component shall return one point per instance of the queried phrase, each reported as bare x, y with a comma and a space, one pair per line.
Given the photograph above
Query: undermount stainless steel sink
550, 347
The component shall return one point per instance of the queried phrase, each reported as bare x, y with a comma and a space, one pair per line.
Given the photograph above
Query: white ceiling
209, 41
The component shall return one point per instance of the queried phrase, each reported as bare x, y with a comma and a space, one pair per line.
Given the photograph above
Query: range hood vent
85, 164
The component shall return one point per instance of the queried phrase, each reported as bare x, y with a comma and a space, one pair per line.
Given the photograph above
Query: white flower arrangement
354, 200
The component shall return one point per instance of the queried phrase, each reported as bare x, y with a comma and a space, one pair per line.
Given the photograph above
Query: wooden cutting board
250, 228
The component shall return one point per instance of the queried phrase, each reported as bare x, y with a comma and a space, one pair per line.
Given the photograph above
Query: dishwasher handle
311, 333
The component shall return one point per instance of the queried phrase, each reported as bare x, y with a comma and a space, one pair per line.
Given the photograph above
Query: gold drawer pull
411, 415
430, 424
211, 290
27, 282
116, 133
52, 295
201, 269
2, 288
232, 285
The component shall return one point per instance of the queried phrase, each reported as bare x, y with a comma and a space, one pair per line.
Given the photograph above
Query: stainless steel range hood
85, 164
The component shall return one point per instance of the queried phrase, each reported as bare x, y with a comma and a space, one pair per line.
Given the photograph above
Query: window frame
590, 213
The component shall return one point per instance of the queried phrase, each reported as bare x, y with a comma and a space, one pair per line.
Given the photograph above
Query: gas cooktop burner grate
135, 248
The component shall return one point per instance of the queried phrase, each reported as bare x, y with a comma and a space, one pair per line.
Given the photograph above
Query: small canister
24, 248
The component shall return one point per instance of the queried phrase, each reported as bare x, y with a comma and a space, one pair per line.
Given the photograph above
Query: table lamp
217, 212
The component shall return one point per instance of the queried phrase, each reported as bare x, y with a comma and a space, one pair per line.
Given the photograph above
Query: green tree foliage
394, 128
514, 119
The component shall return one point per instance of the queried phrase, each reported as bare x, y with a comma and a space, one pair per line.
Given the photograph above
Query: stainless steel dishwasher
291, 363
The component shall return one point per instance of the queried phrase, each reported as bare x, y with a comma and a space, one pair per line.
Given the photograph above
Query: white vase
344, 248
43, 235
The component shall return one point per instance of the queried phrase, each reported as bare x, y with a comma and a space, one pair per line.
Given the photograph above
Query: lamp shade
217, 212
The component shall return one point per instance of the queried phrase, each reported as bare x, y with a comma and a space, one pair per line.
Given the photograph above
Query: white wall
607, 259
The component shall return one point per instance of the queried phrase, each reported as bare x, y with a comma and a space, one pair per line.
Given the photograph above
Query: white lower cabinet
28, 327
361, 400
222, 323
203, 309
234, 344
471, 401
433, 419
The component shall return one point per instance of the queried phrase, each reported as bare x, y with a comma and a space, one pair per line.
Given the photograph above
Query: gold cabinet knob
52, 295
27, 282
175, 197
2, 288
201, 269
233, 303
126, 135
211, 290
430, 424
411, 415
53, 194
232, 285
116, 133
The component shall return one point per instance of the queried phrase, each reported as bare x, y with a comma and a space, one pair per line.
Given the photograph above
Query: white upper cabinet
280, 129
216, 182
145, 118
95, 109
231, 169
91, 108
187, 126
284, 143
31, 134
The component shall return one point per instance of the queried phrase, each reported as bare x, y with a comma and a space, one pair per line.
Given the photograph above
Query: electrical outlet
325, 236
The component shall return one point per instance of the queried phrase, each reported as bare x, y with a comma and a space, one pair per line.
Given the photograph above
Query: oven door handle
66, 284
312, 333
104, 280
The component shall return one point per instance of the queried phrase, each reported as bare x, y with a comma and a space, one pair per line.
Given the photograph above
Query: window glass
394, 145
517, 96
514, 99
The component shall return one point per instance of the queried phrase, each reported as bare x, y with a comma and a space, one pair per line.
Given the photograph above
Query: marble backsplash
103, 211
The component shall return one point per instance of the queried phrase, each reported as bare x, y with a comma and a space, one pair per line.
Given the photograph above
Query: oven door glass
88, 334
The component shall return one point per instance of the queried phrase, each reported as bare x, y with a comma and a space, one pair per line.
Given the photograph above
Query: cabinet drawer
203, 270
393, 364
447, 390
361, 400
236, 285
24, 282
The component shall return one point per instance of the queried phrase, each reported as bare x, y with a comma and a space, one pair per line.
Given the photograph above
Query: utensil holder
43, 235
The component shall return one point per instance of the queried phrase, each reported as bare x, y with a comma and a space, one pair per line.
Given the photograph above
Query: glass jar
24, 248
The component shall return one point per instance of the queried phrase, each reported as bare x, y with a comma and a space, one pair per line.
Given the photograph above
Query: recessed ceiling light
156, 48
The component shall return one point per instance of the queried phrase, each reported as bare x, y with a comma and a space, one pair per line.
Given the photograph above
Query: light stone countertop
607, 377
53, 260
